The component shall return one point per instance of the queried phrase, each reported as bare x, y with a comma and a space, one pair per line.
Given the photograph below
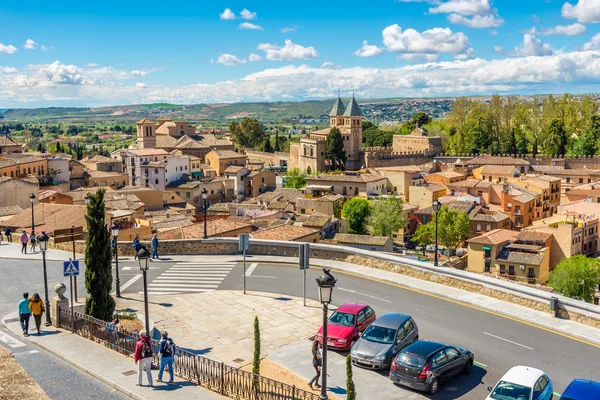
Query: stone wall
376, 157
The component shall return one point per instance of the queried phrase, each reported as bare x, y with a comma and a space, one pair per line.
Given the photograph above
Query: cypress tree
267, 148
276, 148
335, 146
256, 359
350, 388
98, 256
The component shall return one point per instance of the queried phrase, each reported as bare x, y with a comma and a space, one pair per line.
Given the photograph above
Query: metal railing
212, 375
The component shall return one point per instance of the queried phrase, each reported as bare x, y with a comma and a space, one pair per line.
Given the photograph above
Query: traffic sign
304, 256
71, 268
244, 242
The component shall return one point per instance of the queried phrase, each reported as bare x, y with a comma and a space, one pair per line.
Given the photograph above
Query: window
452, 354
580, 180
487, 253
511, 269
478, 227
361, 317
187, 195
531, 273
156, 181
502, 268
156, 170
487, 265
568, 180
439, 359
369, 312
488, 227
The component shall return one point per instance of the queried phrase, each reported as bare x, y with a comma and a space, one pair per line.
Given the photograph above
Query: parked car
581, 389
383, 339
430, 248
524, 383
425, 365
345, 324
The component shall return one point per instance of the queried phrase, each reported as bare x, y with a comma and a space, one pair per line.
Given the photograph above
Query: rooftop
50, 216
149, 152
497, 169
348, 238
213, 227
226, 154
358, 178
447, 174
519, 257
284, 232
530, 235
494, 160
494, 237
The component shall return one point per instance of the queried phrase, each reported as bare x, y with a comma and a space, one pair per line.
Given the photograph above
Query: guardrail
212, 375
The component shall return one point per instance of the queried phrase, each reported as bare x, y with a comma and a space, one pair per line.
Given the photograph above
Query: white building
133, 160
58, 170
158, 174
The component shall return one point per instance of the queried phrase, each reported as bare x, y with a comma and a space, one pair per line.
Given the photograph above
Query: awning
486, 248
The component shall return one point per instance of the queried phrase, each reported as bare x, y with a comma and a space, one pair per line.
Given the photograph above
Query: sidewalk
106, 365
13, 251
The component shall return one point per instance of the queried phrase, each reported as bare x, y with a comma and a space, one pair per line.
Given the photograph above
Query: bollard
554, 305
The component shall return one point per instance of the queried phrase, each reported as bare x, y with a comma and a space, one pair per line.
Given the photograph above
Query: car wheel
434, 386
468, 367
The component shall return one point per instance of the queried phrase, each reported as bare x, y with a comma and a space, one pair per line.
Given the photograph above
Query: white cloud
8, 70
464, 7
498, 49
585, 11
368, 50
329, 64
46, 48
251, 26
288, 52
246, 14
229, 60
227, 14
477, 21
92, 65
419, 57
419, 1
532, 46
254, 57
593, 44
30, 44
432, 41
7, 48
141, 85
137, 72
535, 18
493, 32
565, 30
288, 29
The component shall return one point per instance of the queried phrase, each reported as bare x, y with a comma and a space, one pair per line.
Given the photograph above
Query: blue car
581, 389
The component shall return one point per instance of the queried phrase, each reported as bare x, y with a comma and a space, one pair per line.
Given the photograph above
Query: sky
85, 53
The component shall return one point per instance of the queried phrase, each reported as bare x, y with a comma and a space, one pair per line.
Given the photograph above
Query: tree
247, 134
276, 147
386, 216
335, 146
576, 277
424, 235
350, 388
295, 179
117, 128
556, 138
267, 148
357, 211
421, 119
256, 358
453, 228
98, 257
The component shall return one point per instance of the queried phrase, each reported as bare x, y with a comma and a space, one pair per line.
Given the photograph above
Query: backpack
168, 349
146, 350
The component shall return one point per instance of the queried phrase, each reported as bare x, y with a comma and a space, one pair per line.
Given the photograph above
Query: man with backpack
166, 349
143, 357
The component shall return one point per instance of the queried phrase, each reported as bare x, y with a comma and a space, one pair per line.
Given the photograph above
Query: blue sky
74, 53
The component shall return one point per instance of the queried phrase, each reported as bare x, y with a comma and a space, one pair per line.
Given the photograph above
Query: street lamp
86, 199
326, 284
43, 241
143, 256
115, 233
32, 199
436, 208
204, 209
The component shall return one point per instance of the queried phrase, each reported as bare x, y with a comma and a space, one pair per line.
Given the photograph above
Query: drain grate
238, 360
9, 320
129, 373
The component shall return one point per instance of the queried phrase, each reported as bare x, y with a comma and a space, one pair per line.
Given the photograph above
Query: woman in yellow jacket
36, 305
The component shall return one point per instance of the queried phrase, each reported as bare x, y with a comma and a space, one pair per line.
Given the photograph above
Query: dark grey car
383, 339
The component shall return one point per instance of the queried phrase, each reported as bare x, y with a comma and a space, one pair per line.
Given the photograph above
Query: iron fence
210, 374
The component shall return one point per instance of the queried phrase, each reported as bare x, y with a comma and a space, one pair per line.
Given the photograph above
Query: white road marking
130, 282
11, 341
206, 263
187, 279
175, 290
506, 340
250, 270
207, 274
363, 294
182, 285
127, 268
263, 276
24, 353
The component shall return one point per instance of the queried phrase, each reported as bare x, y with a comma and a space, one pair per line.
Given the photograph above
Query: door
370, 314
542, 390
361, 320
401, 335
455, 362
439, 365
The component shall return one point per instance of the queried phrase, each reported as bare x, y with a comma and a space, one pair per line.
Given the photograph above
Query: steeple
353, 110
338, 108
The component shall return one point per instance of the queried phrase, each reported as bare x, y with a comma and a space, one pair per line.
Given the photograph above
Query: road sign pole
72, 312
243, 243
304, 288
244, 271
74, 258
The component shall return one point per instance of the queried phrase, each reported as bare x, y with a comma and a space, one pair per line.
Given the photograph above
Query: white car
522, 383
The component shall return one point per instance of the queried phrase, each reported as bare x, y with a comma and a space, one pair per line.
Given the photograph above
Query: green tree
98, 258
295, 179
576, 277
556, 138
357, 211
424, 235
350, 388
453, 228
276, 147
267, 148
335, 146
256, 357
386, 216
247, 134
117, 128
421, 119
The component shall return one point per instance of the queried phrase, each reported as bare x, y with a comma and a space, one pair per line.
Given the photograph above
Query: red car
345, 324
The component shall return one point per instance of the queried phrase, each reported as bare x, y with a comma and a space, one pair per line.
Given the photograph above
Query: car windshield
510, 391
341, 318
411, 360
379, 334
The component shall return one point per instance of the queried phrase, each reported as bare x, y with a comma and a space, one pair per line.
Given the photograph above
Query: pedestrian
24, 314
316, 364
113, 246
143, 357
32, 240
111, 331
24, 240
155, 245
166, 349
137, 245
36, 306
8, 234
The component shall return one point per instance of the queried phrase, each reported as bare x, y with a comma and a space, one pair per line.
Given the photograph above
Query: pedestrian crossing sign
71, 268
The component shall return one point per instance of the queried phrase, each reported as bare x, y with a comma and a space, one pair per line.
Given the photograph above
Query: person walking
32, 240
166, 349
155, 245
24, 314
137, 245
36, 306
316, 364
24, 240
8, 234
143, 357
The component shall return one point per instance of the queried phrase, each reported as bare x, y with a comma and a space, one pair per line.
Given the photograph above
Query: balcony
517, 212
546, 198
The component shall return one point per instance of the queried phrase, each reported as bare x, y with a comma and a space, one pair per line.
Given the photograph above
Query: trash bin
554, 305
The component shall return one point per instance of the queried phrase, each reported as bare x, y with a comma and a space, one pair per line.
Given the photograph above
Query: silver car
383, 339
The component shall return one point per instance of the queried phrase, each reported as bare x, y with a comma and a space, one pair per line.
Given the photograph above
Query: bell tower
146, 134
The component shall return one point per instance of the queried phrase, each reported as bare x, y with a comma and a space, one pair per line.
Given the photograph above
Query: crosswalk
190, 277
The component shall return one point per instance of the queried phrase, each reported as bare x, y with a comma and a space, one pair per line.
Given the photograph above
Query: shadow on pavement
167, 387
336, 390
46, 333
198, 352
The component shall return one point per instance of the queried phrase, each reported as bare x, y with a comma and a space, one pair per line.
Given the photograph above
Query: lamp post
115, 234
143, 256
436, 208
86, 199
326, 283
32, 199
43, 241
204, 209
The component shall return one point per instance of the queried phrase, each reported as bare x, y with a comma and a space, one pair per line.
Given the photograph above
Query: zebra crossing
190, 277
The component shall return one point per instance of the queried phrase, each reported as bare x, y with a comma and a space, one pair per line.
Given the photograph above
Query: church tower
353, 123
336, 115
146, 134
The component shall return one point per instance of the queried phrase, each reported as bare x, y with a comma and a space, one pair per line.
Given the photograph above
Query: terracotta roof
360, 178
348, 238
284, 232
166, 141
316, 220
569, 172
103, 174
471, 183
519, 257
6, 140
277, 205
145, 121
407, 168
533, 236
233, 169
213, 227
495, 237
447, 174
493, 160
227, 154
80, 193
497, 169
51, 216
173, 222
98, 159
10, 210
496, 217
282, 194
149, 152
464, 206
